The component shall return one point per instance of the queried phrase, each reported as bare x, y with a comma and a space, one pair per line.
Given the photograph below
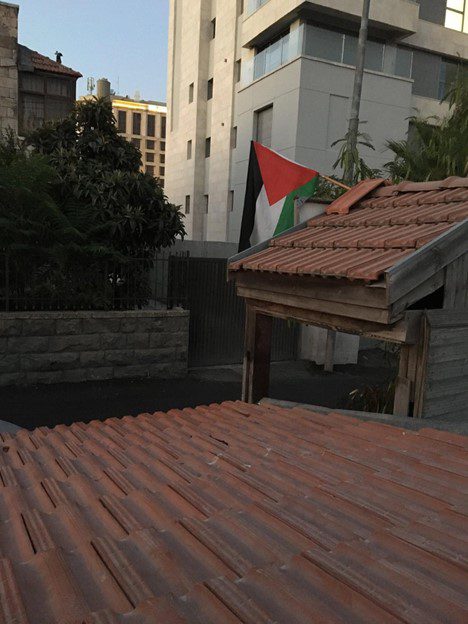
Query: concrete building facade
143, 123
281, 72
8, 66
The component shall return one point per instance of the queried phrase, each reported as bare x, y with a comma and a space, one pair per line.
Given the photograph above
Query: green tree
437, 147
99, 177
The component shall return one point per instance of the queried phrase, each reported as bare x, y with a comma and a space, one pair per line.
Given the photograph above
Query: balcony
266, 17
328, 45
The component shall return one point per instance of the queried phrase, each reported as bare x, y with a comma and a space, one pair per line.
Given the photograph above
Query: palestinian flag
274, 184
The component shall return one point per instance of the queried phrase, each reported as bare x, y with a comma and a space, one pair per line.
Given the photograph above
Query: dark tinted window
136, 128
151, 125
122, 121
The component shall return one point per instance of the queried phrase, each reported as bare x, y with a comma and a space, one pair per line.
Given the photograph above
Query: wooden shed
385, 261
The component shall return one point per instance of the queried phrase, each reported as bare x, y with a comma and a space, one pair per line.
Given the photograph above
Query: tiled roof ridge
43, 62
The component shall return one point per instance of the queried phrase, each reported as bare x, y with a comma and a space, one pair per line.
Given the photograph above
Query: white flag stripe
266, 218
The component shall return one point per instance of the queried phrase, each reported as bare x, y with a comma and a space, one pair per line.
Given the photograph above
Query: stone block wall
8, 66
54, 347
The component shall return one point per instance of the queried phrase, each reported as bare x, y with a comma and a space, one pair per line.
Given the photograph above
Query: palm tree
437, 148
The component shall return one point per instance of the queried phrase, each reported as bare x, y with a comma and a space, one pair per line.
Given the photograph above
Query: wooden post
329, 351
257, 351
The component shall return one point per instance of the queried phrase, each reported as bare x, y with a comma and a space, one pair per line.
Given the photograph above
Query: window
324, 44
208, 147
264, 126
207, 202
150, 170
161, 171
230, 201
209, 89
162, 146
190, 92
136, 126
163, 127
150, 145
162, 159
187, 204
136, 143
456, 15
403, 62
213, 28
234, 137
448, 74
237, 70
121, 121
189, 149
149, 157
151, 125
426, 70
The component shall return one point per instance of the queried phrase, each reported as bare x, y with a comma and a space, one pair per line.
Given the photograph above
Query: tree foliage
73, 201
437, 147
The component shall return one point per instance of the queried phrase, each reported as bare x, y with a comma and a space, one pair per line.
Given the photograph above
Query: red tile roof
44, 63
233, 513
361, 238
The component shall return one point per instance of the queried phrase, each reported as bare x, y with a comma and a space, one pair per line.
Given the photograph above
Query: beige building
281, 72
143, 123
34, 88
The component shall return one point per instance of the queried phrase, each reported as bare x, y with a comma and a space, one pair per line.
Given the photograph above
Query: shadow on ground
301, 382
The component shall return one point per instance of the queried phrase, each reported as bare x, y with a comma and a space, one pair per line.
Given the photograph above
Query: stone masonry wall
53, 347
8, 66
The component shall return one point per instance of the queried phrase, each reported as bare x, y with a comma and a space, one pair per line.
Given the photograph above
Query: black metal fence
26, 285
217, 315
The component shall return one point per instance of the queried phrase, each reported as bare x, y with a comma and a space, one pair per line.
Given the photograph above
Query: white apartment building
281, 72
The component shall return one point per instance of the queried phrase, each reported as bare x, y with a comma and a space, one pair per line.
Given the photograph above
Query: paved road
293, 381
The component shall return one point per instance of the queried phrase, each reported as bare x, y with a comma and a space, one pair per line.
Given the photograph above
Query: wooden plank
407, 274
456, 284
374, 315
330, 351
447, 318
442, 405
450, 335
256, 373
422, 290
447, 370
402, 397
405, 331
342, 291
446, 387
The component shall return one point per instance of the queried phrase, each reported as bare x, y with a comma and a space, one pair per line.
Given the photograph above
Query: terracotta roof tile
44, 63
233, 513
401, 218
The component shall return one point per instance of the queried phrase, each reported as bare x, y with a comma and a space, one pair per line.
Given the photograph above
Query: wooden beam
419, 266
313, 287
456, 284
353, 311
330, 351
257, 353
404, 331
422, 290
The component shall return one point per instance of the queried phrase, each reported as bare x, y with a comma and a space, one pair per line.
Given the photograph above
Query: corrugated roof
46, 64
361, 239
233, 513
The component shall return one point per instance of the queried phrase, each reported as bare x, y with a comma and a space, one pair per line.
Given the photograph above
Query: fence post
7, 282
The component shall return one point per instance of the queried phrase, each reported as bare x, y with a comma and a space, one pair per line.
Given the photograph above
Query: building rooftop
233, 513
126, 98
366, 231
44, 63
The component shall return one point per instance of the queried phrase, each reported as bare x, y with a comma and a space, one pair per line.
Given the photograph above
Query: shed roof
233, 513
366, 231
39, 62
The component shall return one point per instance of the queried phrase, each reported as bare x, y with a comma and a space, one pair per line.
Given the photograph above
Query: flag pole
335, 182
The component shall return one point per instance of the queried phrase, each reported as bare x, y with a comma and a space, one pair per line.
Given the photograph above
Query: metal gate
217, 318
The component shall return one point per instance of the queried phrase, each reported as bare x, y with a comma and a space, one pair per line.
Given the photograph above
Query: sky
122, 40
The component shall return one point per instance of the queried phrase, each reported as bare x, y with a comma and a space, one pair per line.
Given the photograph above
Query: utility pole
353, 128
